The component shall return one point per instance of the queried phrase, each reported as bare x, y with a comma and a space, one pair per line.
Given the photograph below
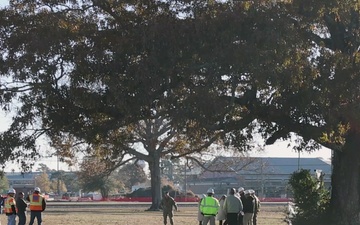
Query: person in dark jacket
21, 206
2, 200
242, 197
37, 206
167, 204
249, 207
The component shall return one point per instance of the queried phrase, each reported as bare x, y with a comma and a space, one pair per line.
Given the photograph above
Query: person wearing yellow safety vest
10, 207
37, 205
209, 207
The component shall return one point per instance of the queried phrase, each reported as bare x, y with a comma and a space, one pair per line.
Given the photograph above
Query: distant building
24, 182
138, 186
269, 177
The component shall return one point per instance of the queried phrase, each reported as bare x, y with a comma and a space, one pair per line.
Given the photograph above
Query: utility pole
186, 179
58, 179
299, 160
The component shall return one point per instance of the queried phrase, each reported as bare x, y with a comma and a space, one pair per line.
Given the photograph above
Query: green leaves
310, 196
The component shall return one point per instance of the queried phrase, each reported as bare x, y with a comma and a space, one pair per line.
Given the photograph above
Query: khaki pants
248, 219
207, 219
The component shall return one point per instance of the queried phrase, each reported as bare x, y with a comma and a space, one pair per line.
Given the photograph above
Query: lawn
269, 215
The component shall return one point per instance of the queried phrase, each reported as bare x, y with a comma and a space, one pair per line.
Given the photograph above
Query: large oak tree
99, 75
294, 66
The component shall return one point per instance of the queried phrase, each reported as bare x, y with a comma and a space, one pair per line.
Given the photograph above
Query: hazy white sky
4, 2
279, 149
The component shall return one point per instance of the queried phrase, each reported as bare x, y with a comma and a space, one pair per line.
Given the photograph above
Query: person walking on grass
167, 204
37, 206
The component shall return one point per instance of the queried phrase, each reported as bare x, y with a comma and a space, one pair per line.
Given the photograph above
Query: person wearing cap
21, 206
10, 207
167, 204
37, 206
232, 207
257, 206
249, 207
240, 192
209, 207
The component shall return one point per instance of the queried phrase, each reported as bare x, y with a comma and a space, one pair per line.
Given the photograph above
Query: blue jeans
11, 219
37, 215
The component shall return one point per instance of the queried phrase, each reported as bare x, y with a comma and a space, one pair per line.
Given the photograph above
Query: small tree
94, 176
4, 184
43, 168
131, 174
311, 198
42, 181
58, 186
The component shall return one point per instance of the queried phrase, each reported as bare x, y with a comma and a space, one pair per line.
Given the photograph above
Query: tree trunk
155, 176
345, 199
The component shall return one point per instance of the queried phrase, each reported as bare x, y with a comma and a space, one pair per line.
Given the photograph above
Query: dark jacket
167, 204
249, 204
21, 205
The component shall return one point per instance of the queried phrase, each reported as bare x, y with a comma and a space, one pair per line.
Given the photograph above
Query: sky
278, 149
4, 2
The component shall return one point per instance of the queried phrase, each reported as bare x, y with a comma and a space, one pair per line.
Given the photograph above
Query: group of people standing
240, 207
17, 207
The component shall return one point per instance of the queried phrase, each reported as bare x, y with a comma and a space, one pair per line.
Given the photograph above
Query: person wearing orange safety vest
209, 207
10, 207
37, 206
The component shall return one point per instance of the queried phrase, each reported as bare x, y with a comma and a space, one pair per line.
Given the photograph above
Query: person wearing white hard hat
209, 207
37, 206
10, 207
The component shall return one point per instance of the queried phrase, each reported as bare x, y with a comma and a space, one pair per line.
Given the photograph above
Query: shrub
311, 198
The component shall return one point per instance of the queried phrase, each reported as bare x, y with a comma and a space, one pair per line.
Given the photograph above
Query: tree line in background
90, 178
56, 182
127, 80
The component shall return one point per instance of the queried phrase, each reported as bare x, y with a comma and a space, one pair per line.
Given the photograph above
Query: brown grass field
132, 215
